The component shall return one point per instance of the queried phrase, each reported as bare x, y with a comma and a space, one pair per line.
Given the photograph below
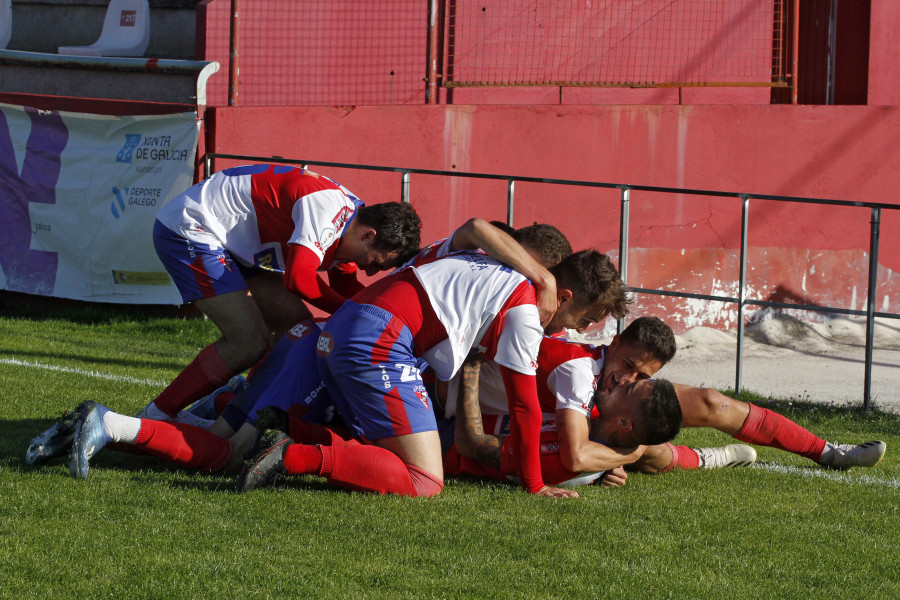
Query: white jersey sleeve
574, 383
481, 303
320, 219
520, 338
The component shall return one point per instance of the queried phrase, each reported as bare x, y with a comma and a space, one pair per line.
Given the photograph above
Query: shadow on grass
40, 308
52, 360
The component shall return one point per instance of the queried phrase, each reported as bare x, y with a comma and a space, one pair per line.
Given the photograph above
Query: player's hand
547, 302
614, 478
553, 492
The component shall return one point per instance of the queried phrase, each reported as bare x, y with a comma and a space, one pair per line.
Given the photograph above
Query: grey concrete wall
45, 25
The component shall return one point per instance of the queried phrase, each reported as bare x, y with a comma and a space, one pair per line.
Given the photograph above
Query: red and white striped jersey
256, 211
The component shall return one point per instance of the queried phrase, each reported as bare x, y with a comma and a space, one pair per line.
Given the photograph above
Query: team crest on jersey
299, 331
326, 238
325, 344
422, 395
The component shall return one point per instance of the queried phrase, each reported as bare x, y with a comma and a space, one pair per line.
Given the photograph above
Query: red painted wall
679, 242
884, 68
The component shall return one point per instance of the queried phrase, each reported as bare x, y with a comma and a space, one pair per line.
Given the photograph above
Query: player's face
617, 408
575, 315
373, 261
626, 362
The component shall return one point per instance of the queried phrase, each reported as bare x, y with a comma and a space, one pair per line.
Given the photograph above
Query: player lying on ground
568, 372
246, 246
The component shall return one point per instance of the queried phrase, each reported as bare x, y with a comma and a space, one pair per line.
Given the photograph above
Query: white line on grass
109, 376
825, 474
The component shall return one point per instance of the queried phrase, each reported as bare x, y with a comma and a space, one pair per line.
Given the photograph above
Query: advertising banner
78, 197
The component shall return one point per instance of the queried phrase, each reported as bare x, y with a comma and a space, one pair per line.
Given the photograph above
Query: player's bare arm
470, 439
578, 453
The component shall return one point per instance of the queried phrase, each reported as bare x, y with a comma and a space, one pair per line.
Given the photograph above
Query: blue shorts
297, 380
198, 270
373, 378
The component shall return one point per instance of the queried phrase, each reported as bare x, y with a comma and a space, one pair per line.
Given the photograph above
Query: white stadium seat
5, 22
126, 31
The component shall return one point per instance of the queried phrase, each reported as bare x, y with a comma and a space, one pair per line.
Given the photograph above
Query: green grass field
136, 528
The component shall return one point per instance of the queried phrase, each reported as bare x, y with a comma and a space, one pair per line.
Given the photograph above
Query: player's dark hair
653, 335
396, 226
660, 415
592, 278
546, 241
503, 227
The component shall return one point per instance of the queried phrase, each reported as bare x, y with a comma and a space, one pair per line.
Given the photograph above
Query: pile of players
448, 365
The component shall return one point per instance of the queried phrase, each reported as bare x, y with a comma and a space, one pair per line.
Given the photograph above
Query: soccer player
653, 416
246, 246
288, 377
569, 371
438, 312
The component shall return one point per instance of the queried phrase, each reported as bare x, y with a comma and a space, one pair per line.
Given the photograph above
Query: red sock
205, 374
766, 428
683, 457
185, 445
362, 468
315, 434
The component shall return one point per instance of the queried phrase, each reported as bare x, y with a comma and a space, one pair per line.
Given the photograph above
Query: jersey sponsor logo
341, 218
476, 262
314, 394
299, 331
549, 447
325, 344
385, 378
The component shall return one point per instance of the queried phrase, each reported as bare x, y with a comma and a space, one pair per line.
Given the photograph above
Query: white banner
78, 197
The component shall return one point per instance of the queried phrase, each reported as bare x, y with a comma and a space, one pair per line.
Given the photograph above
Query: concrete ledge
153, 80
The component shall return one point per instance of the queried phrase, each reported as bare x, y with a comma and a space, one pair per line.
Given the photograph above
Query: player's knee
709, 409
424, 483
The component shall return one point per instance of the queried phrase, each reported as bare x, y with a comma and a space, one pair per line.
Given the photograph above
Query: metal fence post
510, 200
742, 285
404, 187
623, 245
870, 305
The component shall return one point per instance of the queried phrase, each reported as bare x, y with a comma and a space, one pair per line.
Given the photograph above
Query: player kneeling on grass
439, 311
247, 247
288, 377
